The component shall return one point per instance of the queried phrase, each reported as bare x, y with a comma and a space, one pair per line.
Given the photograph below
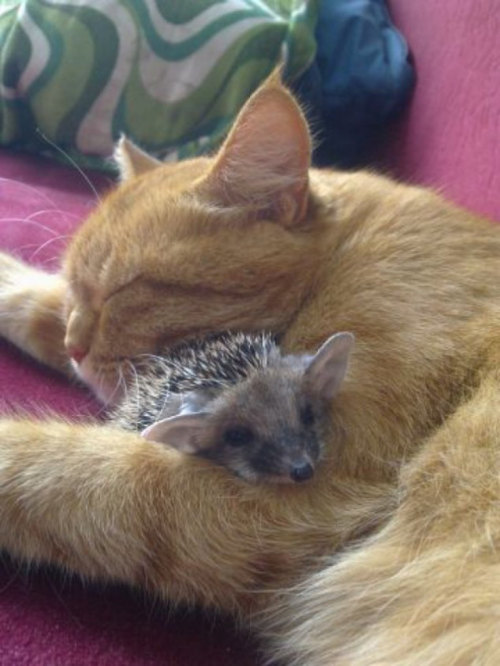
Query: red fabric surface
46, 619
450, 138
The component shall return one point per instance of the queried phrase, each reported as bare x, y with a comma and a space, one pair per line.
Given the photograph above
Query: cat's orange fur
253, 240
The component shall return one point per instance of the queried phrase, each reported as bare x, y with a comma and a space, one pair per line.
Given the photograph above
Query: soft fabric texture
450, 136
47, 621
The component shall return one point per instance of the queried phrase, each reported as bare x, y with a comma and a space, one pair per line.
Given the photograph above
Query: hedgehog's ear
183, 432
326, 370
132, 160
263, 164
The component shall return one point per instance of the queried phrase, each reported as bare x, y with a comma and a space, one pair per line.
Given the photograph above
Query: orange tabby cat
410, 487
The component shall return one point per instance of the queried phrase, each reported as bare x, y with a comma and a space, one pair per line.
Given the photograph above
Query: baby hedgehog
236, 400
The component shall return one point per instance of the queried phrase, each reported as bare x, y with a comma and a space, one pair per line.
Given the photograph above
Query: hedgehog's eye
238, 436
307, 415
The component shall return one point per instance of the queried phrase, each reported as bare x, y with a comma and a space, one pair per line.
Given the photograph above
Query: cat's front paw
10, 269
14, 275
31, 304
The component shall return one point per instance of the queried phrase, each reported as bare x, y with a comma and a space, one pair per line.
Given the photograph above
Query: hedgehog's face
269, 428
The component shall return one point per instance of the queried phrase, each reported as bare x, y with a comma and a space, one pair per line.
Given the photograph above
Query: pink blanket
450, 138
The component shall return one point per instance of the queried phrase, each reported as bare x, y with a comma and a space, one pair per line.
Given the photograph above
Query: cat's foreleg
110, 505
31, 311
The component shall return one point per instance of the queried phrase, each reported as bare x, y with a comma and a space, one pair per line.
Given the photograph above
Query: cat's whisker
166, 399
120, 381
47, 243
137, 385
103, 408
30, 188
27, 220
72, 162
153, 356
53, 211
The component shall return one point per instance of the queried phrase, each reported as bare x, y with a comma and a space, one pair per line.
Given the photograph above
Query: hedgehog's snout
301, 471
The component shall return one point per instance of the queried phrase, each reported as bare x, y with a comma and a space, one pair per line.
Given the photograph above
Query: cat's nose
77, 353
301, 472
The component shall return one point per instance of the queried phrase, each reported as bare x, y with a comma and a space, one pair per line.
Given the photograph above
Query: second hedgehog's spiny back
235, 399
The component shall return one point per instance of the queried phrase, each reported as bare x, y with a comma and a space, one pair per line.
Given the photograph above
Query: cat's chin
108, 392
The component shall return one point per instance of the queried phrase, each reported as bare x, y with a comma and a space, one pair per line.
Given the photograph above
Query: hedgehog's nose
301, 472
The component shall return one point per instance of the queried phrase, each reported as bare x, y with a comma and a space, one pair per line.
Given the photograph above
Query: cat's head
209, 244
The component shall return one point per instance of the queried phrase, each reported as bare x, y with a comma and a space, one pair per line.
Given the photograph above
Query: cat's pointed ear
326, 370
264, 162
132, 160
183, 432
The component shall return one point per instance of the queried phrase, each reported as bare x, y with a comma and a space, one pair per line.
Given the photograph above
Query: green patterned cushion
171, 74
